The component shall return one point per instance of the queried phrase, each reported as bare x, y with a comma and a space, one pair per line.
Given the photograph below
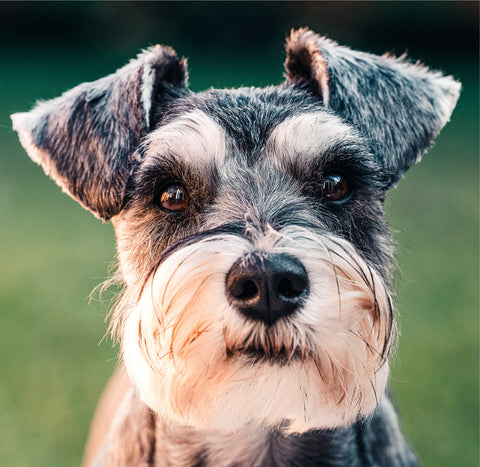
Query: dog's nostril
244, 289
292, 286
267, 287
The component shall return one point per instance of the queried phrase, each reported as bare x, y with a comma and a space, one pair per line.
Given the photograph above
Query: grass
53, 253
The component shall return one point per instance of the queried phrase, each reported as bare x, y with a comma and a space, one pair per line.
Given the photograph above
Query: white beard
325, 366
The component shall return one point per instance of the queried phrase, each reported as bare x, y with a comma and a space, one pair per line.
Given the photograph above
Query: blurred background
54, 360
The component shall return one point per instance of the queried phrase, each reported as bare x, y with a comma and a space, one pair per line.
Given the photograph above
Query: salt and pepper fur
210, 385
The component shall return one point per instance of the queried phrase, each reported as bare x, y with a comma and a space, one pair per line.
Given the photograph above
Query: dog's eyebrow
308, 136
193, 137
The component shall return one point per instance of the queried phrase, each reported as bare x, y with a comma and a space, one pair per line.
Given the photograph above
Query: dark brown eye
335, 187
174, 197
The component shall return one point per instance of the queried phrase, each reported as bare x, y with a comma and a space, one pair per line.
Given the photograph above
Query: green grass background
54, 362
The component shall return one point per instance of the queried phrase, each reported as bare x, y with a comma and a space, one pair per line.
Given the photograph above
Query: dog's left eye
335, 187
173, 197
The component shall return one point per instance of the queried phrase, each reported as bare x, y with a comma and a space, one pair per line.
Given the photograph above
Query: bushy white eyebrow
308, 136
194, 137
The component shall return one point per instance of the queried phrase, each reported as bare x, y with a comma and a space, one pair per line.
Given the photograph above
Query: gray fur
88, 136
131, 441
399, 106
138, 438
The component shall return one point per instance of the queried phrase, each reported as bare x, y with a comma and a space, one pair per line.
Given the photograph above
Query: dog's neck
140, 437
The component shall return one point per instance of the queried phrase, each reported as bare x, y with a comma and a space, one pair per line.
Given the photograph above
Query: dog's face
250, 226
260, 301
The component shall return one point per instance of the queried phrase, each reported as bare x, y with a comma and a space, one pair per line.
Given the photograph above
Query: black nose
266, 287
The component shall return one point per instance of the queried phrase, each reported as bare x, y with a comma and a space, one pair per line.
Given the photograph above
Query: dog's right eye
172, 197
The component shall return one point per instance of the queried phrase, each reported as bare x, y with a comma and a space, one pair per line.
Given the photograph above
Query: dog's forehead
248, 123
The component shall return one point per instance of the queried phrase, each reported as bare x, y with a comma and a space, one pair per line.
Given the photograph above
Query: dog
256, 321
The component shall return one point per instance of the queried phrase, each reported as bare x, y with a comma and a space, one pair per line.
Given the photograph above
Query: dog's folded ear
86, 138
400, 107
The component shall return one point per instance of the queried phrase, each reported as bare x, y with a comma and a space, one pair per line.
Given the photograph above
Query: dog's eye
335, 187
173, 197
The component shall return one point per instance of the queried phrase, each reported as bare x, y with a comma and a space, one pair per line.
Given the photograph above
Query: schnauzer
256, 321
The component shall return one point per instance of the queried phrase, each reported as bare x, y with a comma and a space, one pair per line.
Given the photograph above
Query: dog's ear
86, 138
399, 106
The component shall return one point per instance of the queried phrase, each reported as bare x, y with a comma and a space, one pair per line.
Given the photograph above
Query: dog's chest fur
140, 438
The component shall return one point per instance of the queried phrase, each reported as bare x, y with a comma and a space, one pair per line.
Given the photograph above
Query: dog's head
250, 225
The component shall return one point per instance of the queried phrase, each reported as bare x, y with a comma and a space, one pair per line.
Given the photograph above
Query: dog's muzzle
267, 287
290, 328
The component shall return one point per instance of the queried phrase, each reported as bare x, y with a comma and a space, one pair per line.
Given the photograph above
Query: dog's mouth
254, 354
